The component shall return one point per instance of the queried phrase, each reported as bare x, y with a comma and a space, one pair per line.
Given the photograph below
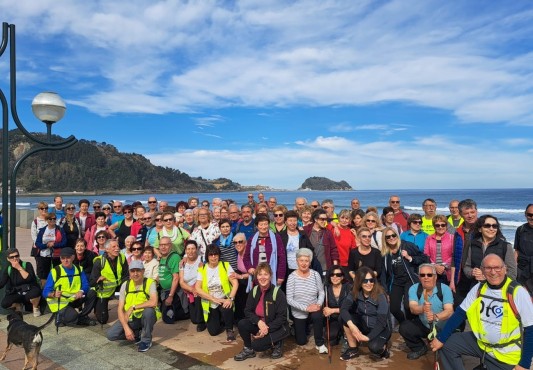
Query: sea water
508, 205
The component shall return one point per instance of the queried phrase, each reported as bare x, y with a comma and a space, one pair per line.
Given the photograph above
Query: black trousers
101, 310
247, 329
174, 311
195, 311
399, 294
300, 328
219, 318
414, 333
24, 298
335, 329
69, 315
376, 345
240, 299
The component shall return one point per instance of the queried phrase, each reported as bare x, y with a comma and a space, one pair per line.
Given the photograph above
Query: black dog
28, 336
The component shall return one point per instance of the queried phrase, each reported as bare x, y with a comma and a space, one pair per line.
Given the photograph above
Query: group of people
273, 272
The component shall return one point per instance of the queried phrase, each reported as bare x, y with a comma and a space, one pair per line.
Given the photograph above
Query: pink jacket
430, 249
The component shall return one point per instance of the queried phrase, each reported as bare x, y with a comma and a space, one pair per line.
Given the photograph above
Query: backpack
274, 295
420, 290
23, 264
509, 294
158, 314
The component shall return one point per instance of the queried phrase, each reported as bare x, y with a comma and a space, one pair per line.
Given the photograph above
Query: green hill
323, 183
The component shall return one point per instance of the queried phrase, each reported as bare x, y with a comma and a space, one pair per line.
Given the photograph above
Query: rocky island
323, 183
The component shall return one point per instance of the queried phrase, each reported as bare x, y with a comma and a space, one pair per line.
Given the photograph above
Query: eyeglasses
395, 201
373, 221
440, 225
314, 205
529, 215
323, 218
52, 219
168, 219
146, 218
158, 219
391, 236
278, 214
13, 257
495, 269
338, 274
239, 241
42, 209
117, 206
101, 237
152, 201
491, 226
71, 208
137, 249
418, 222
425, 275
365, 236
126, 212
369, 281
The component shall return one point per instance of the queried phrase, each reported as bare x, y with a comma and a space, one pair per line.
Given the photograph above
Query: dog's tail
52, 316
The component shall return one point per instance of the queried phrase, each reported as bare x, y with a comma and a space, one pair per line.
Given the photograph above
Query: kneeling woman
366, 318
265, 317
217, 288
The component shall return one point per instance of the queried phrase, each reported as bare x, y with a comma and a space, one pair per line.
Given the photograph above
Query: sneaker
384, 355
230, 335
351, 352
277, 351
85, 321
322, 349
143, 347
36, 312
201, 327
414, 355
244, 354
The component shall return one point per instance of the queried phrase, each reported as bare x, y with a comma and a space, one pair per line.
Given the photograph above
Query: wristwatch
231, 299
133, 307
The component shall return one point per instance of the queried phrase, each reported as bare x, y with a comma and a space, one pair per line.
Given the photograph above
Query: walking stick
432, 334
327, 329
57, 314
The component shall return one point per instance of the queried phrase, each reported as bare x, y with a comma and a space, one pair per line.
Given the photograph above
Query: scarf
273, 258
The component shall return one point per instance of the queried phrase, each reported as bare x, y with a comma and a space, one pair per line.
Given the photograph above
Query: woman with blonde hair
373, 223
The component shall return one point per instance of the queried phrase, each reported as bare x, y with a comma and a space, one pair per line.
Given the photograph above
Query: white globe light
48, 107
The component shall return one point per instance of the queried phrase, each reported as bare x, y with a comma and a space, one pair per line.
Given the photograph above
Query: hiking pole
58, 304
327, 329
432, 335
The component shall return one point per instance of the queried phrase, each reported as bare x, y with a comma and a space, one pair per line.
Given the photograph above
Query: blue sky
382, 94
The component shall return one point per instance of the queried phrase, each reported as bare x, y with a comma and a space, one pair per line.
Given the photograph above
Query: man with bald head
496, 337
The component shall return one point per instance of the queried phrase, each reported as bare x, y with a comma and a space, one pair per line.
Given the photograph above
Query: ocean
507, 205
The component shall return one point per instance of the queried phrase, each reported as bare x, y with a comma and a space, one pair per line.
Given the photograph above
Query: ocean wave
510, 224
21, 204
481, 211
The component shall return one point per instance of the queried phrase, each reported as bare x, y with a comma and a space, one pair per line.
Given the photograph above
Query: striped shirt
302, 292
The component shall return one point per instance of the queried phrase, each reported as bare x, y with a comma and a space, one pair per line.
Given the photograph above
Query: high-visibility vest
68, 289
224, 281
112, 280
135, 297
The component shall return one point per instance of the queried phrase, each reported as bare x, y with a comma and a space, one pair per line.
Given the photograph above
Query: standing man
67, 289
356, 205
152, 204
136, 309
169, 279
432, 303
454, 219
261, 198
523, 246
147, 223
461, 245
163, 204
109, 271
246, 225
117, 214
430, 209
193, 202
400, 217
58, 208
299, 204
233, 211
251, 201
85, 219
97, 206
497, 311
329, 207
272, 202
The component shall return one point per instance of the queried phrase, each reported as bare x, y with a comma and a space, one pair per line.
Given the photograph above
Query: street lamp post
47, 107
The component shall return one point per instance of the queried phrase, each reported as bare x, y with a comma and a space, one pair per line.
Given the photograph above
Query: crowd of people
271, 272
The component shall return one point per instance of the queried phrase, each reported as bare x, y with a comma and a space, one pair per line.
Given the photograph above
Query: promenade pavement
179, 346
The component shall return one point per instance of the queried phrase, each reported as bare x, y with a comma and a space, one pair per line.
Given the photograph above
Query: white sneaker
322, 349
36, 312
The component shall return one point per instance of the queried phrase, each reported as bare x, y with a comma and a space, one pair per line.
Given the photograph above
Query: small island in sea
323, 183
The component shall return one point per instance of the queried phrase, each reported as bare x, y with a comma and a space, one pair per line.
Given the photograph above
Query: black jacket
275, 310
387, 272
368, 315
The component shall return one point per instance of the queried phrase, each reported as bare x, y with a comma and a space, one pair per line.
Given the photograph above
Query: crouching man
67, 289
136, 309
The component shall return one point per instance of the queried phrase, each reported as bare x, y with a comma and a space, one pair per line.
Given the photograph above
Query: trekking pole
58, 304
432, 335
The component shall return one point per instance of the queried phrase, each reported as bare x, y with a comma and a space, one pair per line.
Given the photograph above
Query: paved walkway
178, 346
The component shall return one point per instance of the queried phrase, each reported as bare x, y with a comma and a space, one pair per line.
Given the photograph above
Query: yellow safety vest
224, 280
135, 297
112, 281
450, 221
68, 289
427, 226
508, 349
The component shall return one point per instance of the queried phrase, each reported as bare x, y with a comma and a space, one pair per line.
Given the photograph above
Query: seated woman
217, 287
84, 257
305, 295
22, 285
188, 274
365, 316
265, 317
337, 289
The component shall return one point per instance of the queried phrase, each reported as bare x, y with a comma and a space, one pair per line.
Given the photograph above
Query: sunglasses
101, 237
373, 221
117, 206
278, 214
491, 226
168, 219
106, 209
147, 218
314, 205
395, 201
13, 257
71, 208
323, 218
152, 202
418, 222
369, 281
158, 219
337, 274
239, 242
136, 249
425, 275
212, 254
97, 207
52, 219
126, 212
42, 209
365, 236
391, 236
530, 215
440, 225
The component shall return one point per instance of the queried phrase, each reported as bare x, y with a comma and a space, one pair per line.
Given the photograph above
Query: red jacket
89, 221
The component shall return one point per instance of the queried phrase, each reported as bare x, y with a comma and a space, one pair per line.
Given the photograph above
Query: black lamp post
47, 107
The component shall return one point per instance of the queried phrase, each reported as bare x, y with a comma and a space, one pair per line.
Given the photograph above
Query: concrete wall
25, 217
